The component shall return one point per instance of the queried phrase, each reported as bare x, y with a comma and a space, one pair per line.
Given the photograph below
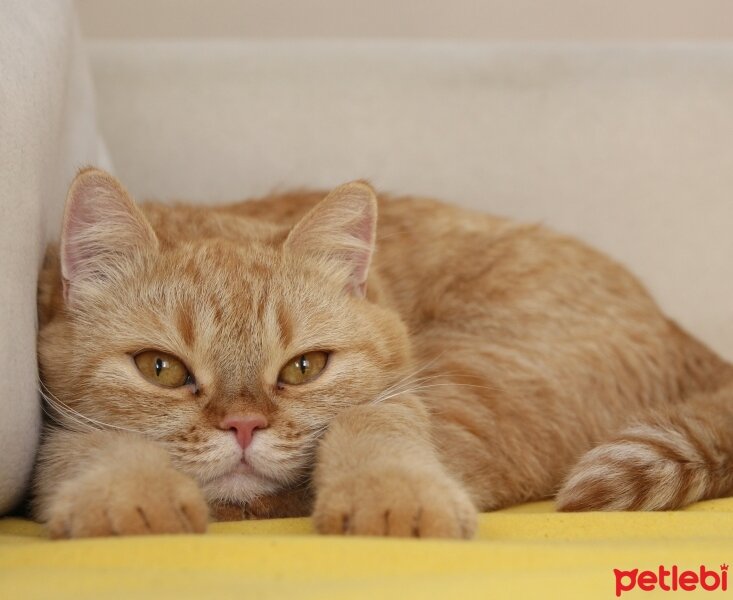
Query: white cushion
47, 131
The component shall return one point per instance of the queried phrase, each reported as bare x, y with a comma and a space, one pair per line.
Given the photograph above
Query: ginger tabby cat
391, 376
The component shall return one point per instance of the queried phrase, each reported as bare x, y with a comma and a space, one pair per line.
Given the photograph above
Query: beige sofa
629, 147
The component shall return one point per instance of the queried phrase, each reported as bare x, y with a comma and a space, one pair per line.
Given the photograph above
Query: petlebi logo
673, 579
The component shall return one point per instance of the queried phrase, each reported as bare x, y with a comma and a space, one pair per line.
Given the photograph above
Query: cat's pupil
303, 364
158, 366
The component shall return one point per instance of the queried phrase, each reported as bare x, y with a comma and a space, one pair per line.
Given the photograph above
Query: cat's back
435, 259
427, 251
446, 263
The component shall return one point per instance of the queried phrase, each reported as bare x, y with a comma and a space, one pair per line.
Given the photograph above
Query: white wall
607, 20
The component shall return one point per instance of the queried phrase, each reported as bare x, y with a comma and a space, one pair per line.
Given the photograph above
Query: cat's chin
239, 485
243, 468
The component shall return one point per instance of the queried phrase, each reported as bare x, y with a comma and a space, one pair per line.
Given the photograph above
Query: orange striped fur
490, 363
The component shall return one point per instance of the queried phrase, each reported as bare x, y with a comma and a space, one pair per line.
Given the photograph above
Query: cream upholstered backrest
629, 147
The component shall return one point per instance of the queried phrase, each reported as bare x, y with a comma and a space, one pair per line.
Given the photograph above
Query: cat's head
235, 355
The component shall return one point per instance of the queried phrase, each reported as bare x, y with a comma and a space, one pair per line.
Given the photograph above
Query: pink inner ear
74, 252
101, 225
362, 230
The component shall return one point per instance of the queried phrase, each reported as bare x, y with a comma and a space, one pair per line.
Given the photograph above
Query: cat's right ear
340, 231
102, 229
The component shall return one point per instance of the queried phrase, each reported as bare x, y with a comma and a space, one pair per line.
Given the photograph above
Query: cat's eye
303, 368
162, 369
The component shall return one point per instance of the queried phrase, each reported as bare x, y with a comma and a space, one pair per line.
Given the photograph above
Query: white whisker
64, 410
416, 389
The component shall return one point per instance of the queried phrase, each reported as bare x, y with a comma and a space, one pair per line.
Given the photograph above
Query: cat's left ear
102, 230
341, 231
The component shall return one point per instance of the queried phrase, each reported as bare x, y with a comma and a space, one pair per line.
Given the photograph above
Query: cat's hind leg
662, 461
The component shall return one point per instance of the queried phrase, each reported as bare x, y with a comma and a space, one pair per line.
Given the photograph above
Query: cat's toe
175, 506
71, 519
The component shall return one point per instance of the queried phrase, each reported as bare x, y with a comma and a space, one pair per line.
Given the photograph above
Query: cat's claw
396, 503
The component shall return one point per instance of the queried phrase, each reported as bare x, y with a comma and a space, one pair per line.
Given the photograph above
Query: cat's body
486, 359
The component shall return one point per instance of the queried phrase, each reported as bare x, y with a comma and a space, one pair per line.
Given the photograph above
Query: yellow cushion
526, 551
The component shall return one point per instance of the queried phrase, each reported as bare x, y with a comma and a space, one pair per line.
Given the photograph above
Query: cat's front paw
394, 502
127, 500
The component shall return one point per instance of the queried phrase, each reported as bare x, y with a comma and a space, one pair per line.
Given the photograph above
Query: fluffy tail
663, 461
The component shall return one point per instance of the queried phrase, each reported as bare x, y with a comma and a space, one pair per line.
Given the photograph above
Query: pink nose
243, 427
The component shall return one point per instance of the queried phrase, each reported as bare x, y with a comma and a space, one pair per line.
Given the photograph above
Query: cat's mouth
238, 483
245, 471
236, 476
244, 468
